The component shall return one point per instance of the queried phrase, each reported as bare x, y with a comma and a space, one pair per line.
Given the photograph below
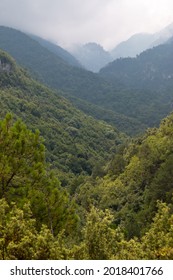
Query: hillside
60, 52
136, 178
122, 211
48, 67
131, 95
152, 69
149, 78
56, 73
124, 215
74, 140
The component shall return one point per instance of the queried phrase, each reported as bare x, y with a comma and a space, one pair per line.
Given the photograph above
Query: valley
85, 158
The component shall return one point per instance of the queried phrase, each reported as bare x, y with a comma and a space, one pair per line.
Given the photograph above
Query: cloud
72, 21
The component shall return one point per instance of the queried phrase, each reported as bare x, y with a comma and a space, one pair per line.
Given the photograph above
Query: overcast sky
67, 22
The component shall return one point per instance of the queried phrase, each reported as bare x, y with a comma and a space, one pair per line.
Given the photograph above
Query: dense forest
125, 214
75, 187
130, 110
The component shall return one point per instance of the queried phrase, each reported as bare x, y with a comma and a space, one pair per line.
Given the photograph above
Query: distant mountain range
92, 56
75, 83
130, 93
47, 66
140, 42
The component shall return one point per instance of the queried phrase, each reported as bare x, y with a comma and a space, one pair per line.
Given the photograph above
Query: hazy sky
80, 21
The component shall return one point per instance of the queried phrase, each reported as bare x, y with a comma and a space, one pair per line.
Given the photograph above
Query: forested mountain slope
50, 68
149, 78
133, 95
111, 217
136, 178
53, 71
152, 69
65, 55
74, 140
122, 211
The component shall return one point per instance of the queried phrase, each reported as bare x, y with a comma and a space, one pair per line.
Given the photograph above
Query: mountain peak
92, 56
140, 42
94, 46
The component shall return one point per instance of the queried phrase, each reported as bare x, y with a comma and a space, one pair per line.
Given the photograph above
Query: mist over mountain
67, 131
72, 185
48, 66
64, 54
163, 35
126, 96
92, 56
133, 46
53, 71
140, 42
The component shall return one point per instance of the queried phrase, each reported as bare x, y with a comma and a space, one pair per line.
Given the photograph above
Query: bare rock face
5, 66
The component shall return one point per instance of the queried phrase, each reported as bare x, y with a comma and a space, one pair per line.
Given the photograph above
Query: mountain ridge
56, 73
92, 56
73, 140
140, 42
56, 49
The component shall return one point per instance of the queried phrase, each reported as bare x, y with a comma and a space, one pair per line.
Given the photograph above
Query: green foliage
100, 240
73, 140
21, 157
135, 179
62, 53
23, 178
157, 243
17, 232
20, 240
51, 69
109, 208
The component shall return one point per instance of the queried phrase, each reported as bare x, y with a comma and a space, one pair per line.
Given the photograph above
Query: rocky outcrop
5, 66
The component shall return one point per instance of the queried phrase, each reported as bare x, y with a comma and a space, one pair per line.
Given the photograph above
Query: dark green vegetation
72, 187
147, 84
49, 67
125, 105
71, 137
151, 69
117, 216
66, 56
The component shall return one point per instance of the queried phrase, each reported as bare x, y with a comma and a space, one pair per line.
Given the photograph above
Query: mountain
136, 180
133, 46
149, 78
152, 69
123, 211
60, 52
141, 42
103, 111
92, 56
53, 71
74, 141
163, 35
50, 68
112, 97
